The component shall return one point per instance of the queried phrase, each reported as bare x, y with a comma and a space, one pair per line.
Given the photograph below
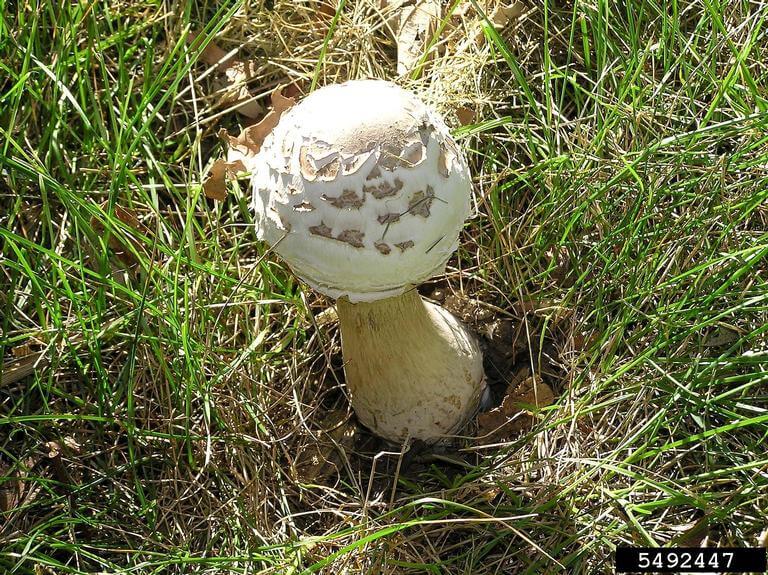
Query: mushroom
362, 191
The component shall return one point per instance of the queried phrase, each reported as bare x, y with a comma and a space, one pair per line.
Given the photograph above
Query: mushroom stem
413, 370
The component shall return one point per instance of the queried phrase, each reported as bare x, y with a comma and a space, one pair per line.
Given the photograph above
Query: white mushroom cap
361, 190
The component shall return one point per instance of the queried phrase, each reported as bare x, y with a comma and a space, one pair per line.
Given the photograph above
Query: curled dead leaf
247, 144
504, 15
236, 75
121, 248
465, 115
215, 185
244, 147
415, 31
516, 412
325, 10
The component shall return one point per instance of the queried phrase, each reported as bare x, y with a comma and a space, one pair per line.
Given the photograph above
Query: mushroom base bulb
412, 369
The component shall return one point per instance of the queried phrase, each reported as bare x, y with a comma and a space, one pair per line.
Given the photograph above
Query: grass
173, 402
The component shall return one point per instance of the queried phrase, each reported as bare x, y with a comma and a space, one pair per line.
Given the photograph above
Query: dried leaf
492, 422
21, 350
120, 249
71, 445
237, 74
14, 490
530, 393
245, 146
501, 17
416, 28
320, 459
11, 491
504, 15
513, 414
325, 9
560, 264
215, 185
465, 115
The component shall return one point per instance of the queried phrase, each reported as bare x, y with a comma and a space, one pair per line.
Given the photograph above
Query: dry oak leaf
237, 73
465, 115
417, 26
326, 10
501, 17
514, 415
215, 185
244, 147
121, 249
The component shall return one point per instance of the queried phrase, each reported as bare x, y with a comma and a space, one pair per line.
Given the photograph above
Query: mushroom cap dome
361, 190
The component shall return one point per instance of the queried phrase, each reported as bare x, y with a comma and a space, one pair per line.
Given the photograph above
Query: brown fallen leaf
11, 491
501, 17
22, 350
248, 143
237, 74
465, 115
120, 248
215, 185
319, 459
244, 147
531, 393
560, 266
514, 414
14, 489
415, 30
504, 15
326, 9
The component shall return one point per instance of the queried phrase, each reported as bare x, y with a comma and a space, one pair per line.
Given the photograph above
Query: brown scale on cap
303, 207
352, 164
404, 245
321, 230
389, 218
448, 153
384, 189
421, 202
328, 167
307, 169
383, 248
330, 170
352, 237
390, 159
347, 200
374, 173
